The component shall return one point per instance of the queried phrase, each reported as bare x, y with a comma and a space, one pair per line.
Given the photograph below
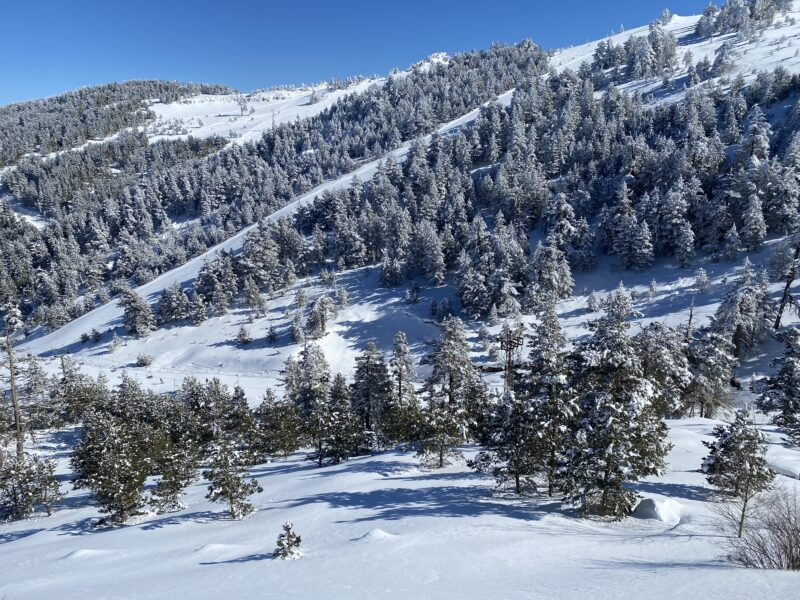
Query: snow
206, 115
377, 527
779, 45
380, 526
667, 511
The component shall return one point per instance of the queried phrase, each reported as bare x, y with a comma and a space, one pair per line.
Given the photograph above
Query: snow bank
666, 510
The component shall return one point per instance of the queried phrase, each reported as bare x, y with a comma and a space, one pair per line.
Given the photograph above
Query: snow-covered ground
379, 527
244, 117
778, 45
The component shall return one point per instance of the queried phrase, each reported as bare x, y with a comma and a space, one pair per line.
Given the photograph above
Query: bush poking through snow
244, 336
771, 539
144, 360
288, 544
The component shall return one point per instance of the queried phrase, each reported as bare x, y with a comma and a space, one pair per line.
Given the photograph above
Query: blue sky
51, 46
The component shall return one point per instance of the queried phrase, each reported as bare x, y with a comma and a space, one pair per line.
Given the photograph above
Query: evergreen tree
279, 426
112, 460
288, 544
176, 465
344, 431
452, 367
712, 363
754, 230
227, 483
620, 436
139, 320
510, 452
371, 388
26, 485
783, 389
735, 464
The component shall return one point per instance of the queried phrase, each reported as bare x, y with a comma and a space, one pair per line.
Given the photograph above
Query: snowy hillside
778, 46
243, 117
637, 251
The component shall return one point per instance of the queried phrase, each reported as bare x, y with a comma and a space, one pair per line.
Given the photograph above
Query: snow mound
86, 553
375, 535
666, 511
213, 548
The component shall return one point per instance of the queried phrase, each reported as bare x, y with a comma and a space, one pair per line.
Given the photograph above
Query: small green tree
736, 465
288, 544
227, 483
26, 485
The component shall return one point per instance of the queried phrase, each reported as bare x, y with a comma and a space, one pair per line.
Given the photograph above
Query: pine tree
735, 464
26, 485
550, 272
371, 388
746, 312
401, 420
783, 389
510, 451
176, 464
452, 367
279, 426
344, 432
754, 230
712, 363
620, 437
443, 430
244, 336
112, 460
544, 386
288, 544
139, 320
731, 245
226, 478
701, 281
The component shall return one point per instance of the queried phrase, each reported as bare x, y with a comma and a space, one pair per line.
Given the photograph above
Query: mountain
193, 248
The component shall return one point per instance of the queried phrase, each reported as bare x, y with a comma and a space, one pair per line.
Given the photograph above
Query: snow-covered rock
667, 510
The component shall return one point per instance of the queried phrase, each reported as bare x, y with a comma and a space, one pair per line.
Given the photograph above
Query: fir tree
783, 388
139, 320
371, 388
227, 483
620, 436
279, 426
26, 485
288, 544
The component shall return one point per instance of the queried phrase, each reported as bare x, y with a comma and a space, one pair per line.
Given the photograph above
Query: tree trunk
14, 399
745, 499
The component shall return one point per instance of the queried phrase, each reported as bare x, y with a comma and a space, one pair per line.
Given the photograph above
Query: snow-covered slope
779, 45
244, 117
378, 527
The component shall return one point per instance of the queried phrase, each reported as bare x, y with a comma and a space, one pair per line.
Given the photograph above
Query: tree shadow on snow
241, 559
13, 536
402, 503
675, 490
202, 516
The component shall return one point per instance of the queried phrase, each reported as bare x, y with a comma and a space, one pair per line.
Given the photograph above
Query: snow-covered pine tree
371, 389
620, 436
138, 319
279, 426
754, 228
401, 420
712, 363
783, 388
510, 444
177, 463
112, 460
226, 476
344, 433
746, 312
544, 385
27, 485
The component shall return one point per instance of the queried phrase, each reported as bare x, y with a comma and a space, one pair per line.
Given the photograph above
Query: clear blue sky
49, 46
